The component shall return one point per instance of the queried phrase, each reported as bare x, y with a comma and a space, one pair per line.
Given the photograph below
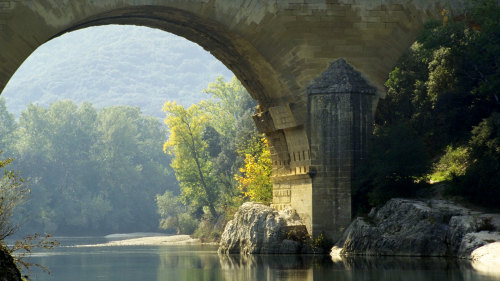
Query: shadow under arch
237, 54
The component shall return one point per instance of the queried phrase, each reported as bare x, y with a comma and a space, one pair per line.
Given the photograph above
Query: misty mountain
115, 65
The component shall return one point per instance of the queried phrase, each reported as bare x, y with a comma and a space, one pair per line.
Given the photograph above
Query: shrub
480, 183
452, 164
187, 223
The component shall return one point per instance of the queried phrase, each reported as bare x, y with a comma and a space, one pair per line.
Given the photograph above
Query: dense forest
114, 65
89, 171
101, 171
439, 125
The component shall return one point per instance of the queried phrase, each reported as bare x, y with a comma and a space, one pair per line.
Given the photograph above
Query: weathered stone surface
474, 240
259, 229
418, 228
8, 270
341, 78
340, 111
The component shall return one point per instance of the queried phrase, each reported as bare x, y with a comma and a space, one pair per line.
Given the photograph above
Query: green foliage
480, 182
174, 214
169, 209
204, 140
192, 163
7, 125
229, 109
90, 171
207, 231
187, 223
13, 192
452, 164
440, 91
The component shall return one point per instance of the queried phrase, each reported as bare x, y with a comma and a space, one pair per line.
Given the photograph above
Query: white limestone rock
486, 259
260, 229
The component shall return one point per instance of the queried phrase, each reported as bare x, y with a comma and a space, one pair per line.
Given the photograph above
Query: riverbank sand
151, 241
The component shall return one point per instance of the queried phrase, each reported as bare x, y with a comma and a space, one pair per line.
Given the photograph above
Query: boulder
8, 269
486, 259
260, 229
404, 227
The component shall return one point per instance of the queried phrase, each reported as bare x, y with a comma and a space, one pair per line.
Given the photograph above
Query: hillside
115, 65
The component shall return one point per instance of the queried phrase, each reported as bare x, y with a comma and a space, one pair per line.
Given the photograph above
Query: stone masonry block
4, 5
282, 117
264, 122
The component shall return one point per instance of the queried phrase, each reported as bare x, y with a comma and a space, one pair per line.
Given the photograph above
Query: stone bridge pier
314, 162
317, 68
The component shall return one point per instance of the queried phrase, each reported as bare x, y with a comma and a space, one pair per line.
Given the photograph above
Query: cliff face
419, 228
260, 229
8, 270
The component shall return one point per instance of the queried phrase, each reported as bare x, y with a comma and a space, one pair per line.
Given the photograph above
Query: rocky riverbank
260, 229
434, 228
402, 227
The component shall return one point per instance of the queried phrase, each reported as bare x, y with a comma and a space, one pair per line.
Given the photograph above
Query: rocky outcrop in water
405, 227
260, 229
8, 269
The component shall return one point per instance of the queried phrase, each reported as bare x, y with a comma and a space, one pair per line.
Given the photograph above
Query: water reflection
183, 264
269, 267
315, 268
186, 263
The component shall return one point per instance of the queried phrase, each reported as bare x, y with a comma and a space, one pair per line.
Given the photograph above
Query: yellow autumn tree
255, 179
191, 163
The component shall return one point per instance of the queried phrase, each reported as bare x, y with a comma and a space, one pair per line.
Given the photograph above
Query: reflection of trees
183, 264
268, 267
321, 268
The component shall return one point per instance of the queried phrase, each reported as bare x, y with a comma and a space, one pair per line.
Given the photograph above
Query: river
76, 259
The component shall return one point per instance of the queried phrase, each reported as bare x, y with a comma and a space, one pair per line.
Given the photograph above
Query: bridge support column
314, 159
339, 124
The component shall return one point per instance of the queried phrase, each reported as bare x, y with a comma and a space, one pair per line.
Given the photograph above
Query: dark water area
72, 261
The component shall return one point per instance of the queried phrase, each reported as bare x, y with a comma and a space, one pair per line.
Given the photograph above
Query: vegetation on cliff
440, 119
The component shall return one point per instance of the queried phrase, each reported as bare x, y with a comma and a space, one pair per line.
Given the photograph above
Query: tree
7, 126
445, 92
255, 179
191, 161
229, 106
13, 191
479, 184
169, 209
91, 171
229, 110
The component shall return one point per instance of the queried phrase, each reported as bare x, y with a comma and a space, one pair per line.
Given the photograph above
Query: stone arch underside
281, 50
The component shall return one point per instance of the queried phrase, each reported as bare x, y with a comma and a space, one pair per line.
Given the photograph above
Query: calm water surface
71, 261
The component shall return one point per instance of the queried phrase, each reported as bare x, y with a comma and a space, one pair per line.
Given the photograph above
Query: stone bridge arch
316, 67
